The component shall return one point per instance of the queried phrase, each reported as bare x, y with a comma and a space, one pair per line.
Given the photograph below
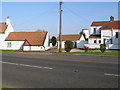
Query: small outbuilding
77, 39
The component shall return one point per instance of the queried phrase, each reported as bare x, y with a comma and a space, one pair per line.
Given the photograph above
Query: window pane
116, 34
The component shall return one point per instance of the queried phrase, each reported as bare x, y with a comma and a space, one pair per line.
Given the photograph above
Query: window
99, 41
94, 41
116, 34
100, 30
94, 30
9, 44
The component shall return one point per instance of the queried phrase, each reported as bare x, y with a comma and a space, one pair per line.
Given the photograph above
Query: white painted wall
92, 45
15, 45
46, 43
91, 40
114, 46
34, 48
97, 29
86, 31
4, 35
107, 35
80, 43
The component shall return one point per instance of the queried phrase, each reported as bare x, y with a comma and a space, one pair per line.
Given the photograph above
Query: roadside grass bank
5, 86
109, 52
20, 51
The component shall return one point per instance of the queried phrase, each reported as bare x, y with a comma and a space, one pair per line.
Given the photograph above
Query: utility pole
60, 32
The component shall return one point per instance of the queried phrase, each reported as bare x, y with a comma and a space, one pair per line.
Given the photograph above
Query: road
36, 70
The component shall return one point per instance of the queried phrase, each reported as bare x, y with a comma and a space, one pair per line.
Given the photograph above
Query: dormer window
94, 30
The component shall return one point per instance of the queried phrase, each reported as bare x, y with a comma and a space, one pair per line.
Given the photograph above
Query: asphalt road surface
36, 70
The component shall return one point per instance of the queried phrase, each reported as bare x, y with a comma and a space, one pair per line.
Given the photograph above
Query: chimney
111, 19
8, 20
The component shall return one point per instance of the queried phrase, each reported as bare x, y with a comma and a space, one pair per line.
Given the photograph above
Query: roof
71, 37
107, 24
3, 27
31, 38
95, 36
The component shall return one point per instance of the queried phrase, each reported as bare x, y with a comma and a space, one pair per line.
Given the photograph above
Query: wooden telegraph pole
60, 33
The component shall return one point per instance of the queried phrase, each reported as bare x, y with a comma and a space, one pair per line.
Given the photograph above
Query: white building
77, 39
5, 29
105, 32
28, 41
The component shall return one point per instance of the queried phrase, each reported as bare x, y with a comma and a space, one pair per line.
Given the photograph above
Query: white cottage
29, 41
77, 39
105, 32
5, 29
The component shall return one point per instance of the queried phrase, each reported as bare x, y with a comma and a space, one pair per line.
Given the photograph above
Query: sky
31, 16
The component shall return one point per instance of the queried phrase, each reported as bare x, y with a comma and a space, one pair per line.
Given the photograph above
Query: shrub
53, 41
86, 48
102, 48
68, 46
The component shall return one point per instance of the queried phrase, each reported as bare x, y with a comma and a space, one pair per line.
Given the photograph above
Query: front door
75, 45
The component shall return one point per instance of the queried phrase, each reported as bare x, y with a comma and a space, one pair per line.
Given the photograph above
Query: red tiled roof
70, 37
3, 27
31, 38
107, 24
95, 36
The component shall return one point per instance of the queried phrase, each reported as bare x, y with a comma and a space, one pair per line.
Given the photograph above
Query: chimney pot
8, 20
111, 19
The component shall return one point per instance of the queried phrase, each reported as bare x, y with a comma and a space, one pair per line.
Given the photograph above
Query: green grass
94, 52
20, 51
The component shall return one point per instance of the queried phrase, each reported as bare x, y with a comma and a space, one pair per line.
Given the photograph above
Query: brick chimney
111, 19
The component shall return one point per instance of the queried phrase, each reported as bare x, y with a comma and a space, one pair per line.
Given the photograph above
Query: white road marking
26, 65
115, 75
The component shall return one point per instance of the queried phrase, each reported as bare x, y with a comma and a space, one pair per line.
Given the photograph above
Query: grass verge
95, 52
20, 51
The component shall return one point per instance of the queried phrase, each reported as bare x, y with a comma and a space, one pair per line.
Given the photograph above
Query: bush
68, 46
86, 48
102, 48
53, 41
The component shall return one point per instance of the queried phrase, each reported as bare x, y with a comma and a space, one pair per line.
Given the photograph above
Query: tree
68, 46
102, 48
53, 40
40, 30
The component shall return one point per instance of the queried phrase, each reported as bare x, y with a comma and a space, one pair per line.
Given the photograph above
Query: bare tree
40, 30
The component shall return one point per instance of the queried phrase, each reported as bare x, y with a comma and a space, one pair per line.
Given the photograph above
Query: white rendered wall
116, 40
92, 45
86, 31
80, 43
3, 36
15, 45
34, 48
91, 40
97, 29
46, 42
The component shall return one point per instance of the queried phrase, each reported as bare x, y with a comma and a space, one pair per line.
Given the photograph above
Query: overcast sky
30, 16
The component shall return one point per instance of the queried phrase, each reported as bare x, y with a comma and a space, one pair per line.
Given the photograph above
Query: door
75, 45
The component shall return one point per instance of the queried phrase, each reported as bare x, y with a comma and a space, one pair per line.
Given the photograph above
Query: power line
74, 13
